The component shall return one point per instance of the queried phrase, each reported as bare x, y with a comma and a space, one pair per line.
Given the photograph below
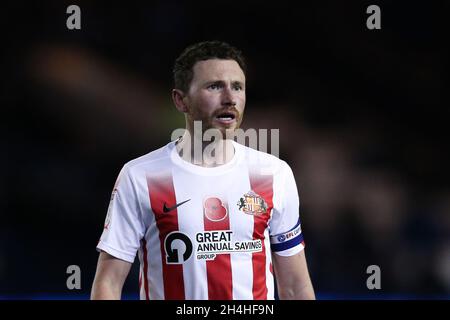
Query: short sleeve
286, 236
123, 228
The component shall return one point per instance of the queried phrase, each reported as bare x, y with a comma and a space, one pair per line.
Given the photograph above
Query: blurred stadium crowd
361, 114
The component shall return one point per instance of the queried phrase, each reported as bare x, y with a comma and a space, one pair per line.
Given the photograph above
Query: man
206, 225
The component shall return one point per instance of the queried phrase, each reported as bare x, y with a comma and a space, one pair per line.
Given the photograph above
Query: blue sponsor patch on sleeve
287, 240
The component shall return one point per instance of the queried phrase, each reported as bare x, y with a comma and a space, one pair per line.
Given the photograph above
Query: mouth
226, 117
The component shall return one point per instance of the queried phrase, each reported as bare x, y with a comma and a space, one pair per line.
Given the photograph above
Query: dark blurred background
362, 116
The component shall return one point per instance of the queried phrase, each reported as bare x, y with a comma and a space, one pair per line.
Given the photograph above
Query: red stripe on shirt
220, 283
144, 250
263, 186
162, 191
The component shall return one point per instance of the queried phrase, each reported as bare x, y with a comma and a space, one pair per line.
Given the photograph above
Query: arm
292, 277
109, 278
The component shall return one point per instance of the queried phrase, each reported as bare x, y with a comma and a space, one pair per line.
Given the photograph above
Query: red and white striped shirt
204, 233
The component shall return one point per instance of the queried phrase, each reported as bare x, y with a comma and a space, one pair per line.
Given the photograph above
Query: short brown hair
183, 69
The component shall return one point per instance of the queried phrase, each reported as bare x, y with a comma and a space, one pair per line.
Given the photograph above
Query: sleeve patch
287, 240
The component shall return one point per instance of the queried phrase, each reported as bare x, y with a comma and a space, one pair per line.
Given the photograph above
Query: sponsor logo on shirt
288, 235
209, 244
252, 203
178, 247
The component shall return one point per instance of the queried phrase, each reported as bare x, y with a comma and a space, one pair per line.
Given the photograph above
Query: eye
214, 86
237, 87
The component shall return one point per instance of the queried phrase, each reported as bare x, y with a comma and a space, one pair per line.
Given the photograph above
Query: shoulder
261, 160
153, 160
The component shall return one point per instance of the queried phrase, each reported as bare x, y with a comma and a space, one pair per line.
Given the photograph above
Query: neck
194, 149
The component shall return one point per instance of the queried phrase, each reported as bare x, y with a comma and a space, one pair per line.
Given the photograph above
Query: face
216, 95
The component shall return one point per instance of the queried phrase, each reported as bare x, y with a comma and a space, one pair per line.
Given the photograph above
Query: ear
178, 98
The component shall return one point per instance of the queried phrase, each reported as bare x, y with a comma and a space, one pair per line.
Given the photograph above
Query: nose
228, 97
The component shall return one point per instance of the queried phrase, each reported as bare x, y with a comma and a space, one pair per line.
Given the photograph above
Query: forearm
109, 278
105, 290
293, 278
299, 292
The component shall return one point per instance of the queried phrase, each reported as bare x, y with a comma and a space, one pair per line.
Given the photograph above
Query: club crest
252, 203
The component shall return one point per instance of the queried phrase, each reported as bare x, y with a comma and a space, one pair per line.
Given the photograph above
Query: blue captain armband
287, 240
